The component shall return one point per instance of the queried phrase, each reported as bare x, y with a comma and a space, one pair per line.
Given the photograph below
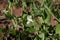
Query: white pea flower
29, 19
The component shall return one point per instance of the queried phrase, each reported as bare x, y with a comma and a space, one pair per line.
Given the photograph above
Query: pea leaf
58, 29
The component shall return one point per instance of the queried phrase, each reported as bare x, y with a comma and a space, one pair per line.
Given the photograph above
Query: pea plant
29, 20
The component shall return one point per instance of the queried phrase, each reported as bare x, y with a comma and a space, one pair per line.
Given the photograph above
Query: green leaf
42, 36
41, 19
58, 29
36, 25
30, 29
13, 32
37, 38
9, 16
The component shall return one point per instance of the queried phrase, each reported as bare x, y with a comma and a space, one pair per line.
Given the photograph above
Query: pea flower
29, 19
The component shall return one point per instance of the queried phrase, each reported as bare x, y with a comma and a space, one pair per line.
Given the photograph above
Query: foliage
30, 20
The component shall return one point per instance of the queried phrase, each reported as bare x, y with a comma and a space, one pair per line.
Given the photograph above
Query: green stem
51, 12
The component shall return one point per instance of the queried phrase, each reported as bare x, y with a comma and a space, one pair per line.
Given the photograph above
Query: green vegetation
29, 20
